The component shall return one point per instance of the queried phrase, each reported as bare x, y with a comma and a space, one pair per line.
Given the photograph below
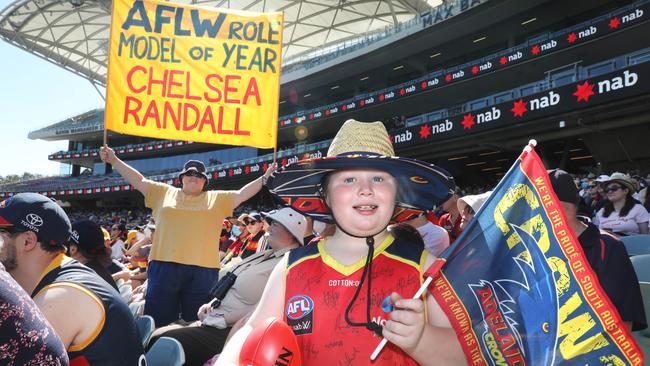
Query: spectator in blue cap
184, 258
87, 246
90, 318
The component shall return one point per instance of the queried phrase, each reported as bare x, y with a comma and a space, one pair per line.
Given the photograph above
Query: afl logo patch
299, 307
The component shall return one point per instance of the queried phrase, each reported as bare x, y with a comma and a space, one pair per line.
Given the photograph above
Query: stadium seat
643, 336
166, 352
146, 326
637, 244
641, 265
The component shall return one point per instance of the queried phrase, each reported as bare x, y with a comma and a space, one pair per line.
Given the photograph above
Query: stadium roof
74, 33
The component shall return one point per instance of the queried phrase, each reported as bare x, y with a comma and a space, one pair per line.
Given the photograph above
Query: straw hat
624, 180
361, 145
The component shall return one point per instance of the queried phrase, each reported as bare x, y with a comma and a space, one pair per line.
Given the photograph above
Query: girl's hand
406, 324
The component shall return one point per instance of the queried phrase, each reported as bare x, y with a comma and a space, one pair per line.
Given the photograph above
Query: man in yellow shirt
184, 259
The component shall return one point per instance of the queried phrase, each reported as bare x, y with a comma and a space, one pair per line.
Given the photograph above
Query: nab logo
299, 306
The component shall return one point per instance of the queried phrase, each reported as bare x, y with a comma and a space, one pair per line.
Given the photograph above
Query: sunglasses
194, 173
612, 189
251, 222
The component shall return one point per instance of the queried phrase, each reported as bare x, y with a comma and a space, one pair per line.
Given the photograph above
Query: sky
35, 93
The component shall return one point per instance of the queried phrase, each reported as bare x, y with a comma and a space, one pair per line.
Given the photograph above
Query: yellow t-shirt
187, 227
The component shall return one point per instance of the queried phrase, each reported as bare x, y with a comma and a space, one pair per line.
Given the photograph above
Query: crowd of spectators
117, 245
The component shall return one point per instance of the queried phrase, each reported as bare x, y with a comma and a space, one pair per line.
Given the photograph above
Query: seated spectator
93, 322
469, 205
206, 337
224, 237
606, 254
254, 224
239, 235
86, 245
622, 215
117, 242
26, 337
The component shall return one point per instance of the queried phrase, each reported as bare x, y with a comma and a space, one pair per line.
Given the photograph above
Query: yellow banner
186, 72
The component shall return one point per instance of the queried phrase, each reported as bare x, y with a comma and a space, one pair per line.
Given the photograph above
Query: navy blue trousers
177, 290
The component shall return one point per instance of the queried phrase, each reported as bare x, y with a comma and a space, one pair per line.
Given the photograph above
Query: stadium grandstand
460, 83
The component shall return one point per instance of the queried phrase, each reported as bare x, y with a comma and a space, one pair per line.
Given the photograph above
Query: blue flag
517, 287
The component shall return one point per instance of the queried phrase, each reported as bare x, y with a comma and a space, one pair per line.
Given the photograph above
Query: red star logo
614, 23
281, 123
327, 112
390, 137
475, 70
247, 169
305, 156
535, 50
283, 162
381, 98
230, 172
402, 92
448, 77
311, 116
425, 131
584, 91
519, 108
264, 167
468, 121
362, 102
215, 175
424, 85
503, 60
344, 108
572, 37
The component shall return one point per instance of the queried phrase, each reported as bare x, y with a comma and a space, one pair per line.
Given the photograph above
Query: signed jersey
319, 289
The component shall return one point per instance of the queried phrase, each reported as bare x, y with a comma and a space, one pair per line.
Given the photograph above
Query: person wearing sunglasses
184, 258
622, 214
255, 240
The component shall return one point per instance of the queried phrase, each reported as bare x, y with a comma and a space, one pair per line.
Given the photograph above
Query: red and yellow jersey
318, 289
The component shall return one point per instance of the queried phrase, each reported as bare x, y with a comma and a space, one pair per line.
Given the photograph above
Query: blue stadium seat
643, 336
641, 265
637, 244
166, 352
146, 326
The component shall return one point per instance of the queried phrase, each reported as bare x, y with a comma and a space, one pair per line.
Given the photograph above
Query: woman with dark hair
622, 215
87, 247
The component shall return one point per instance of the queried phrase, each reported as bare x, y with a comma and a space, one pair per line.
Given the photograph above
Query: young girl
331, 294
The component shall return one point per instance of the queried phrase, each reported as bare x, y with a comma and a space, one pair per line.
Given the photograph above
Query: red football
271, 343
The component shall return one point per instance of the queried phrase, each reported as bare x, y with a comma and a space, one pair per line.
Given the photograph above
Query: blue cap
37, 213
87, 235
194, 165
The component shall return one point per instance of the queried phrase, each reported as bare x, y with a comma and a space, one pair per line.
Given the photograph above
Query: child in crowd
331, 294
